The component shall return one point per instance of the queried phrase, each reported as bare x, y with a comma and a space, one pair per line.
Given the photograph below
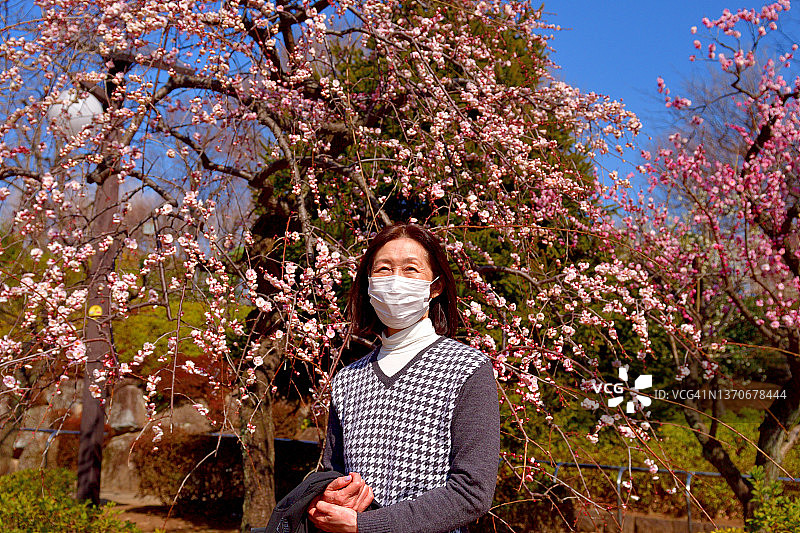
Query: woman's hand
347, 491
336, 509
333, 518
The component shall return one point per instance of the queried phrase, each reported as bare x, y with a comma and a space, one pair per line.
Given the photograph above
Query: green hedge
41, 501
774, 511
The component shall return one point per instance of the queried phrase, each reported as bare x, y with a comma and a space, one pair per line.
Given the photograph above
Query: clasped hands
336, 509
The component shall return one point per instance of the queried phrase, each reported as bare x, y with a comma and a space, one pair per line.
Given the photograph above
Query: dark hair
443, 310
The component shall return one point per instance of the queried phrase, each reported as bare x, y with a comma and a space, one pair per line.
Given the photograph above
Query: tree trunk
258, 446
713, 450
778, 432
97, 336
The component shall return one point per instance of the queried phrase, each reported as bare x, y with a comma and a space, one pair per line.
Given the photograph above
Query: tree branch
156, 187
206, 161
302, 211
11, 172
507, 270
358, 177
712, 449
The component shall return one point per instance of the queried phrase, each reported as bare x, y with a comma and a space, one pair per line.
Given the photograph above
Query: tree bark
775, 434
97, 335
713, 450
258, 445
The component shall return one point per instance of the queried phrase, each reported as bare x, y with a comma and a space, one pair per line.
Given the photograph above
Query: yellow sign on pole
95, 310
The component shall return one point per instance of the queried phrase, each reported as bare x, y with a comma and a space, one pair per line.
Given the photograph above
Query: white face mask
399, 301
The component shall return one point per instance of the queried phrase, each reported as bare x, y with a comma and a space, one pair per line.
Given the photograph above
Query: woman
416, 422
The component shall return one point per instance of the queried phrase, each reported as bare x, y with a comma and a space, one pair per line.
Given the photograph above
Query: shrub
215, 482
41, 501
774, 511
213, 466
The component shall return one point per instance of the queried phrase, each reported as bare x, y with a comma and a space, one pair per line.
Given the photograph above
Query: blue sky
619, 48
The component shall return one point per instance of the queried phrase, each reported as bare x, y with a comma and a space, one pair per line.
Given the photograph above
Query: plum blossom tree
205, 99
724, 247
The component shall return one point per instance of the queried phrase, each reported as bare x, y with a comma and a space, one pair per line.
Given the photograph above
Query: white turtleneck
398, 349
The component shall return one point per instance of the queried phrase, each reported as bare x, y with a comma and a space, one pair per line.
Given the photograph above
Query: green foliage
152, 325
774, 511
41, 501
529, 499
148, 324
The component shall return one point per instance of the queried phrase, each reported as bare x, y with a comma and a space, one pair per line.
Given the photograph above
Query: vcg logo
618, 390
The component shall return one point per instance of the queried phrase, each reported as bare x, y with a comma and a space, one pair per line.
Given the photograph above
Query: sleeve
475, 449
333, 454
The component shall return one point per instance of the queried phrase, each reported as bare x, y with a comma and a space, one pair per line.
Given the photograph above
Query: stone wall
60, 410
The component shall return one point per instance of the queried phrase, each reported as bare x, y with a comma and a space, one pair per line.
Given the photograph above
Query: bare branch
12, 172
204, 159
507, 270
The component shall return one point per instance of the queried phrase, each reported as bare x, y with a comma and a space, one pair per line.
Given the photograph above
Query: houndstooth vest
396, 430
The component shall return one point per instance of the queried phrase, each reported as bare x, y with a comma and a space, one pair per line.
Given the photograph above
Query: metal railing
56, 432
622, 469
53, 434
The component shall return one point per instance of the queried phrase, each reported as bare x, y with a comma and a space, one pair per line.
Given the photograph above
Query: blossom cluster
206, 102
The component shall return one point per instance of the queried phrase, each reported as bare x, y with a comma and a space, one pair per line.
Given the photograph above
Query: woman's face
404, 257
